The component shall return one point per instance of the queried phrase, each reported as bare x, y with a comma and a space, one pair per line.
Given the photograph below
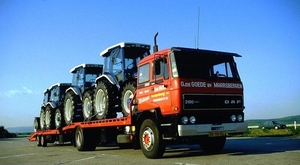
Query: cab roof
59, 84
73, 70
106, 52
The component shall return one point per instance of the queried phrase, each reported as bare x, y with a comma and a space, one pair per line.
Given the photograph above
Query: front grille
212, 102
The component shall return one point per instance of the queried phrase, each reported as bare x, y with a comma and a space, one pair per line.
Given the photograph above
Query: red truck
180, 96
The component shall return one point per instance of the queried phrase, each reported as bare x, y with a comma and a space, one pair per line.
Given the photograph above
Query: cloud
14, 92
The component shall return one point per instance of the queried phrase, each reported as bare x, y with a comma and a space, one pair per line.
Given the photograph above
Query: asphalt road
252, 151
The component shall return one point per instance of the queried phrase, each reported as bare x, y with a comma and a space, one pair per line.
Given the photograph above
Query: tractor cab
120, 60
57, 93
84, 75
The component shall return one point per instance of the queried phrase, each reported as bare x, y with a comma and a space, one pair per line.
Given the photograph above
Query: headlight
192, 119
233, 118
239, 117
184, 120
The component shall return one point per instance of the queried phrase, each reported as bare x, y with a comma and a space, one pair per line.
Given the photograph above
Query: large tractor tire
49, 118
127, 95
151, 140
70, 108
59, 118
85, 139
87, 105
36, 124
42, 119
104, 100
212, 145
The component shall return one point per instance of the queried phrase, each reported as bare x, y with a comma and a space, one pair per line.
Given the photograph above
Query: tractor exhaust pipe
155, 47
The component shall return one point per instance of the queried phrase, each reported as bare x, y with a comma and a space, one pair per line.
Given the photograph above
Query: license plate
216, 134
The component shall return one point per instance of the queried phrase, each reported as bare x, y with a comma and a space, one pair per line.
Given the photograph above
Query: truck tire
212, 145
36, 124
127, 95
84, 139
42, 119
38, 140
43, 141
87, 105
104, 100
70, 107
151, 140
59, 119
49, 117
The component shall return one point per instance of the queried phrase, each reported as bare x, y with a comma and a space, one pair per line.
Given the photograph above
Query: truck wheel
70, 106
151, 140
42, 119
213, 144
127, 96
59, 119
49, 117
43, 141
104, 100
36, 124
87, 105
84, 140
38, 140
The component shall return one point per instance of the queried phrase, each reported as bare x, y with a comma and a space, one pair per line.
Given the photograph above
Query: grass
272, 132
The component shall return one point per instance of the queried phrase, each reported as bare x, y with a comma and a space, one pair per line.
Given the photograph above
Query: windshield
196, 64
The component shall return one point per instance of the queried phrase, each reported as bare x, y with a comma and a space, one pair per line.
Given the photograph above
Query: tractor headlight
233, 118
192, 119
184, 120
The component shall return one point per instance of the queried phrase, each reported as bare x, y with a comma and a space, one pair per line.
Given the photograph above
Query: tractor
54, 107
43, 108
78, 103
119, 73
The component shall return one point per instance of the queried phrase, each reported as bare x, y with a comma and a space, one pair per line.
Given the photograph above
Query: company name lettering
228, 85
201, 84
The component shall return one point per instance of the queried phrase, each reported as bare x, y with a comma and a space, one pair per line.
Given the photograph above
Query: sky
41, 40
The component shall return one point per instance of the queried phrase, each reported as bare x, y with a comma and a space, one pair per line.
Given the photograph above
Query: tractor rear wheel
49, 117
70, 107
104, 100
36, 124
42, 119
127, 95
87, 105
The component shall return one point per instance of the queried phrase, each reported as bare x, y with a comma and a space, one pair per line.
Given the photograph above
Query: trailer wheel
59, 119
38, 140
104, 100
212, 144
43, 141
70, 106
49, 117
151, 140
87, 105
84, 140
127, 96
36, 124
42, 119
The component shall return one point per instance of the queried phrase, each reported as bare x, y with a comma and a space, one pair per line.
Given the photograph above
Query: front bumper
205, 129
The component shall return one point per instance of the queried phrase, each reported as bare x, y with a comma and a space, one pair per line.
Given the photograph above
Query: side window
144, 73
223, 70
161, 68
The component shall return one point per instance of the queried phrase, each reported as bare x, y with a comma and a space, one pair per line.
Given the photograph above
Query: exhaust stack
155, 47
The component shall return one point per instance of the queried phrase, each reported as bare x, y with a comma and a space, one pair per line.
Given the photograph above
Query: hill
25, 129
284, 120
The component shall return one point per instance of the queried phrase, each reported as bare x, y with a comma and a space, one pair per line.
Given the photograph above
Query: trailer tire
42, 119
127, 95
38, 140
59, 119
151, 140
104, 100
87, 105
212, 145
84, 140
49, 117
70, 107
43, 141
